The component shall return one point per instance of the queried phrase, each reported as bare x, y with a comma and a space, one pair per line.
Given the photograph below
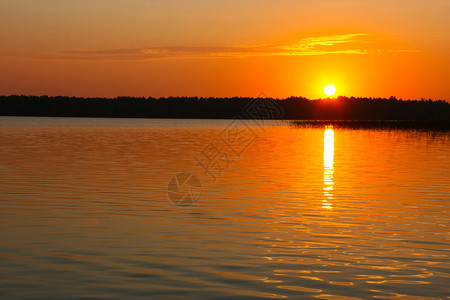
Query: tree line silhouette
292, 108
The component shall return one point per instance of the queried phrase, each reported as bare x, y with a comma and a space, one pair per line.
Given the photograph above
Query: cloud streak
351, 44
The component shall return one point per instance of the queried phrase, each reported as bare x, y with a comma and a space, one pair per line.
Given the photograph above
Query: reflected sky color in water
328, 168
84, 213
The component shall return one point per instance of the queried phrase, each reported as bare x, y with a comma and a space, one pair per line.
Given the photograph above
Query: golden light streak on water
328, 168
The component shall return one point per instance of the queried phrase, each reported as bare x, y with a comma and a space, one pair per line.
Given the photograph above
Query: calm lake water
90, 209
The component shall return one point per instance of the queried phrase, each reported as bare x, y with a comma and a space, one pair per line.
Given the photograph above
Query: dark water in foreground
284, 212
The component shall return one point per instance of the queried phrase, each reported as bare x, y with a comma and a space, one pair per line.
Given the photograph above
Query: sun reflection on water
328, 168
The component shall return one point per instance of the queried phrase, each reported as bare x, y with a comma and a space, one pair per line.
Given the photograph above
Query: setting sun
330, 90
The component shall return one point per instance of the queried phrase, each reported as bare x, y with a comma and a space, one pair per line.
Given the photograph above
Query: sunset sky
225, 48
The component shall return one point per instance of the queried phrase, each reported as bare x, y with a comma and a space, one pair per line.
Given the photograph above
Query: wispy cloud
311, 46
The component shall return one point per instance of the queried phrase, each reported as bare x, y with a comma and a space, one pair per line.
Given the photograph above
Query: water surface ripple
300, 214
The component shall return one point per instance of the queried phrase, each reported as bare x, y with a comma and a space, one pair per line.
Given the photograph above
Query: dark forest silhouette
293, 108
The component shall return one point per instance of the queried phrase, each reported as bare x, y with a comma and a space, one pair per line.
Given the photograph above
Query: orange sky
228, 48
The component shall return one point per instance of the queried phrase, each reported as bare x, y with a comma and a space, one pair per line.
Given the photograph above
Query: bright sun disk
330, 90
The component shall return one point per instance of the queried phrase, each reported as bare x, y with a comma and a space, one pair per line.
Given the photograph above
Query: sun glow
330, 90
